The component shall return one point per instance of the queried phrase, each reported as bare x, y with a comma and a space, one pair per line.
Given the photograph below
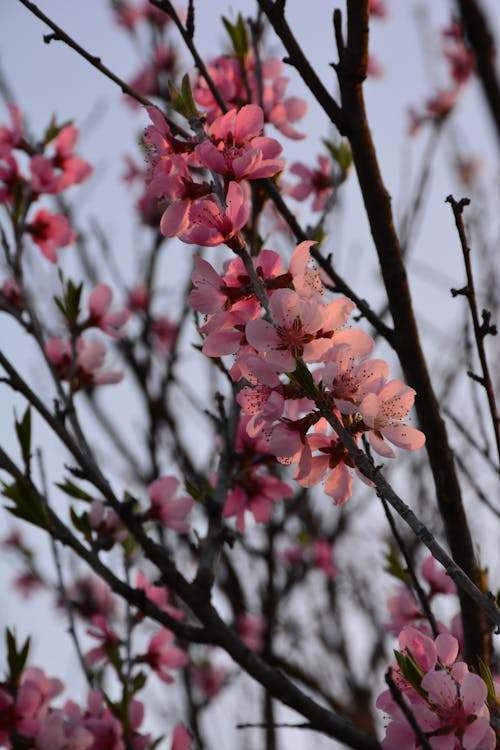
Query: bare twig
481, 330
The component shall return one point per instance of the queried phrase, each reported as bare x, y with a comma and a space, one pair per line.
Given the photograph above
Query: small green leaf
303, 376
53, 129
340, 153
239, 36
410, 669
139, 681
81, 523
486, 675
393, 566
16, 658
182, 99
71, 489
26, 504
23, 430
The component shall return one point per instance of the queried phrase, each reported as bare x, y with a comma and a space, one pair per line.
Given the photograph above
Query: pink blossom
88, 367
437, 578
403, 610
106, 524
99, 304
50, 232
319, 182
90, 596
34, 694
303, 328
57, 732
256, 493
138, 298
323, 557
162, 655
171, 511
10, 178
211, 224
209, 678
159, 595
164, 333
251, 630
58, 172
12, 293
12, 137
27, 583
181, 738
383, 412
110, 640
378, 8
235, 148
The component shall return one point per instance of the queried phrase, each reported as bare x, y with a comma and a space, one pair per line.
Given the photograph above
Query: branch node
476, 378
465, 290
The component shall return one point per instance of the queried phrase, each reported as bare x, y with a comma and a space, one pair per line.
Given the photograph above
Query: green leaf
182, 100
69, 303
239, 36
53, 129
139, 681
340, 153
71, 489
303, 376
197, 495
23, 430
486, 675
394, 567
410, 669
81, 522
26, 504
16, 658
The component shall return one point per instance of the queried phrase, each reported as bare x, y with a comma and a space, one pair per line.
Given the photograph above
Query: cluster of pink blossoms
461, 64
53, 168
304, 328
448, 702
82, 364
27, 715
233, 150
267, 86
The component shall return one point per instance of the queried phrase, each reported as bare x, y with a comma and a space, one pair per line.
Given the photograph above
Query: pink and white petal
404, 436
311, 472
100, 300
369, 409
262, 335
261, 508
175, 218
474, 693
219, 343
479, 735
447, 647
249, 122
162, 489
339, 484
379, 445
359, 341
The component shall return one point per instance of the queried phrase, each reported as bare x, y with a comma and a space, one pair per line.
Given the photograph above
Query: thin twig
481, 330
60, 35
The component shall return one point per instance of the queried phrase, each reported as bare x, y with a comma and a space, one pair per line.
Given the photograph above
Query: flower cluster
53, 168
274, 350
448, 702
239, 83
28, 717
233, 150
461, 62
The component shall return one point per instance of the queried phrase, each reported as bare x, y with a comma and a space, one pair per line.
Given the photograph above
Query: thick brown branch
482, 42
